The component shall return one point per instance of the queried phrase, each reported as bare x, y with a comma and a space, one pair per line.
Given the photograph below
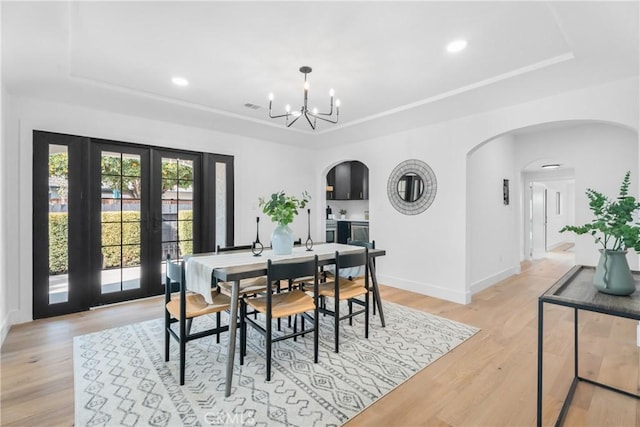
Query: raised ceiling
386, 60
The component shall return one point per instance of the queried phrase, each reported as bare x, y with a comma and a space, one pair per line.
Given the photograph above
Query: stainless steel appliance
332, 230
360, 231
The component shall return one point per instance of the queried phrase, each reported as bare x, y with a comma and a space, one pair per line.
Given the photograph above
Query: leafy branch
614, 226
282, 208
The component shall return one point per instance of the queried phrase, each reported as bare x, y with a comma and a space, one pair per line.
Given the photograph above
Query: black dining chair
182, 307
368, 245
343, 289
248, 287
295, 303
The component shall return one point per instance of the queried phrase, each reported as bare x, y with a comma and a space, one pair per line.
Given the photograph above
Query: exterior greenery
124, 174
130, 239
282, 208
58, 237
615, 226
185, 232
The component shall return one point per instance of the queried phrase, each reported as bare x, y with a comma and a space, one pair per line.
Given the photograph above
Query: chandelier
311, 115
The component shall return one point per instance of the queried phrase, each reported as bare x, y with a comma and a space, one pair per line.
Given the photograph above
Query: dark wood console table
575, 289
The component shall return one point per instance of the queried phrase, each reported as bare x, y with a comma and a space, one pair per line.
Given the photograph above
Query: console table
575, 289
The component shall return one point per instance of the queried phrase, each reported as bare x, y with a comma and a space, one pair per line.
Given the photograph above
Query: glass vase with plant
282, 209
616, 229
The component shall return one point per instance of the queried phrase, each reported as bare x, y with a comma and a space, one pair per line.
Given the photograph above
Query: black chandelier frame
304, 110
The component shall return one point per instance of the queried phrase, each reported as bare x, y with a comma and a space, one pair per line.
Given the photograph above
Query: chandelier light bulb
287, 108
306, 85
331, 92
337, 103
271, 96
315, 111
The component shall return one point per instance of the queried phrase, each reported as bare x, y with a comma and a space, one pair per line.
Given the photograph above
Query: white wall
600, 154
492, 226
4, 286
355, 208
261, 168
426, 253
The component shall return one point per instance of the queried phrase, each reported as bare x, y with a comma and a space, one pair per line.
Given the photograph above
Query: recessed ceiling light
456, 45
180, 81
551, 166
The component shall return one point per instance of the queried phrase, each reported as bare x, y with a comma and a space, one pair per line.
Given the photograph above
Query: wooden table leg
376, 291
233, 324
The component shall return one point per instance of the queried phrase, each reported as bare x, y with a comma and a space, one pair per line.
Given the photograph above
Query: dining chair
182, 307
344, 289
251, 286
368, 245
295, 303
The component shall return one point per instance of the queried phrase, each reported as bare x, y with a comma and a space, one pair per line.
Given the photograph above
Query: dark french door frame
85, 261
78, 224
96, 147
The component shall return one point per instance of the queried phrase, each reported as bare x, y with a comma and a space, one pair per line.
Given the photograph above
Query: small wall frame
505, 191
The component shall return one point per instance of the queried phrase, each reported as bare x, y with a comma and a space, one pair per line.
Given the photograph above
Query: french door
112, 212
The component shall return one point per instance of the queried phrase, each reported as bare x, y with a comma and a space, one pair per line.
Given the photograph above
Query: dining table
203, 270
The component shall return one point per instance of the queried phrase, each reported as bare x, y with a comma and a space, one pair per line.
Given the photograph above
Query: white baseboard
426, 289
487, 282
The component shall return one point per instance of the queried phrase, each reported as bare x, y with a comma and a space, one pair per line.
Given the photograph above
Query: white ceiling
386, 60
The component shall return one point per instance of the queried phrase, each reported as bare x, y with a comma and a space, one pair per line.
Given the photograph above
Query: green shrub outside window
111, 236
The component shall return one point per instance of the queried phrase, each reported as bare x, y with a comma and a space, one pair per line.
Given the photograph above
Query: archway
598, 152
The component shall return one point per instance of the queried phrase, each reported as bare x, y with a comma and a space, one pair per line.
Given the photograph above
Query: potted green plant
616, 228
282, 209
343, 213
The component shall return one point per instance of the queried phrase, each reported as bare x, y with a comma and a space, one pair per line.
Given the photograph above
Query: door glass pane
177, 207
221, 204
58, 224
120, 222
111, 164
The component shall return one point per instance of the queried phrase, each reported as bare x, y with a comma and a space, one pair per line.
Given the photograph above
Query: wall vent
252, 106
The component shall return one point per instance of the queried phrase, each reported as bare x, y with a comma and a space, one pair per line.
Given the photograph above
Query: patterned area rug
121, 377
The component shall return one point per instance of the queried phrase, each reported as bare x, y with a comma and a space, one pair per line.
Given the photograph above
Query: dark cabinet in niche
348, 181
359, 181
331, 184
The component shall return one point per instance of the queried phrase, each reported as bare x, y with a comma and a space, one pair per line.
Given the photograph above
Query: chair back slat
352, 259
364, 244
174, 271
292, 269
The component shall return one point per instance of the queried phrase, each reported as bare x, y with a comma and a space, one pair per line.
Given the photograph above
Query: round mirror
410, 187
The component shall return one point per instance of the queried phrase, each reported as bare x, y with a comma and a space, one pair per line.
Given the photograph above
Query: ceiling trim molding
510, 74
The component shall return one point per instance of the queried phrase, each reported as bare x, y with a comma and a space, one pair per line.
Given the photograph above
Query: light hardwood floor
490, 380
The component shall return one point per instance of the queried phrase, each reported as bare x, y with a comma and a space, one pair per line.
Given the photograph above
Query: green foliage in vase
282, 208
615, 226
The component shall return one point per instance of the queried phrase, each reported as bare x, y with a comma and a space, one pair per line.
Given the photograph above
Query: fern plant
615, 226
282, 208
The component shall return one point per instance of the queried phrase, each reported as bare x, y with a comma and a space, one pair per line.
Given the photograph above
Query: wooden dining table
203, 269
